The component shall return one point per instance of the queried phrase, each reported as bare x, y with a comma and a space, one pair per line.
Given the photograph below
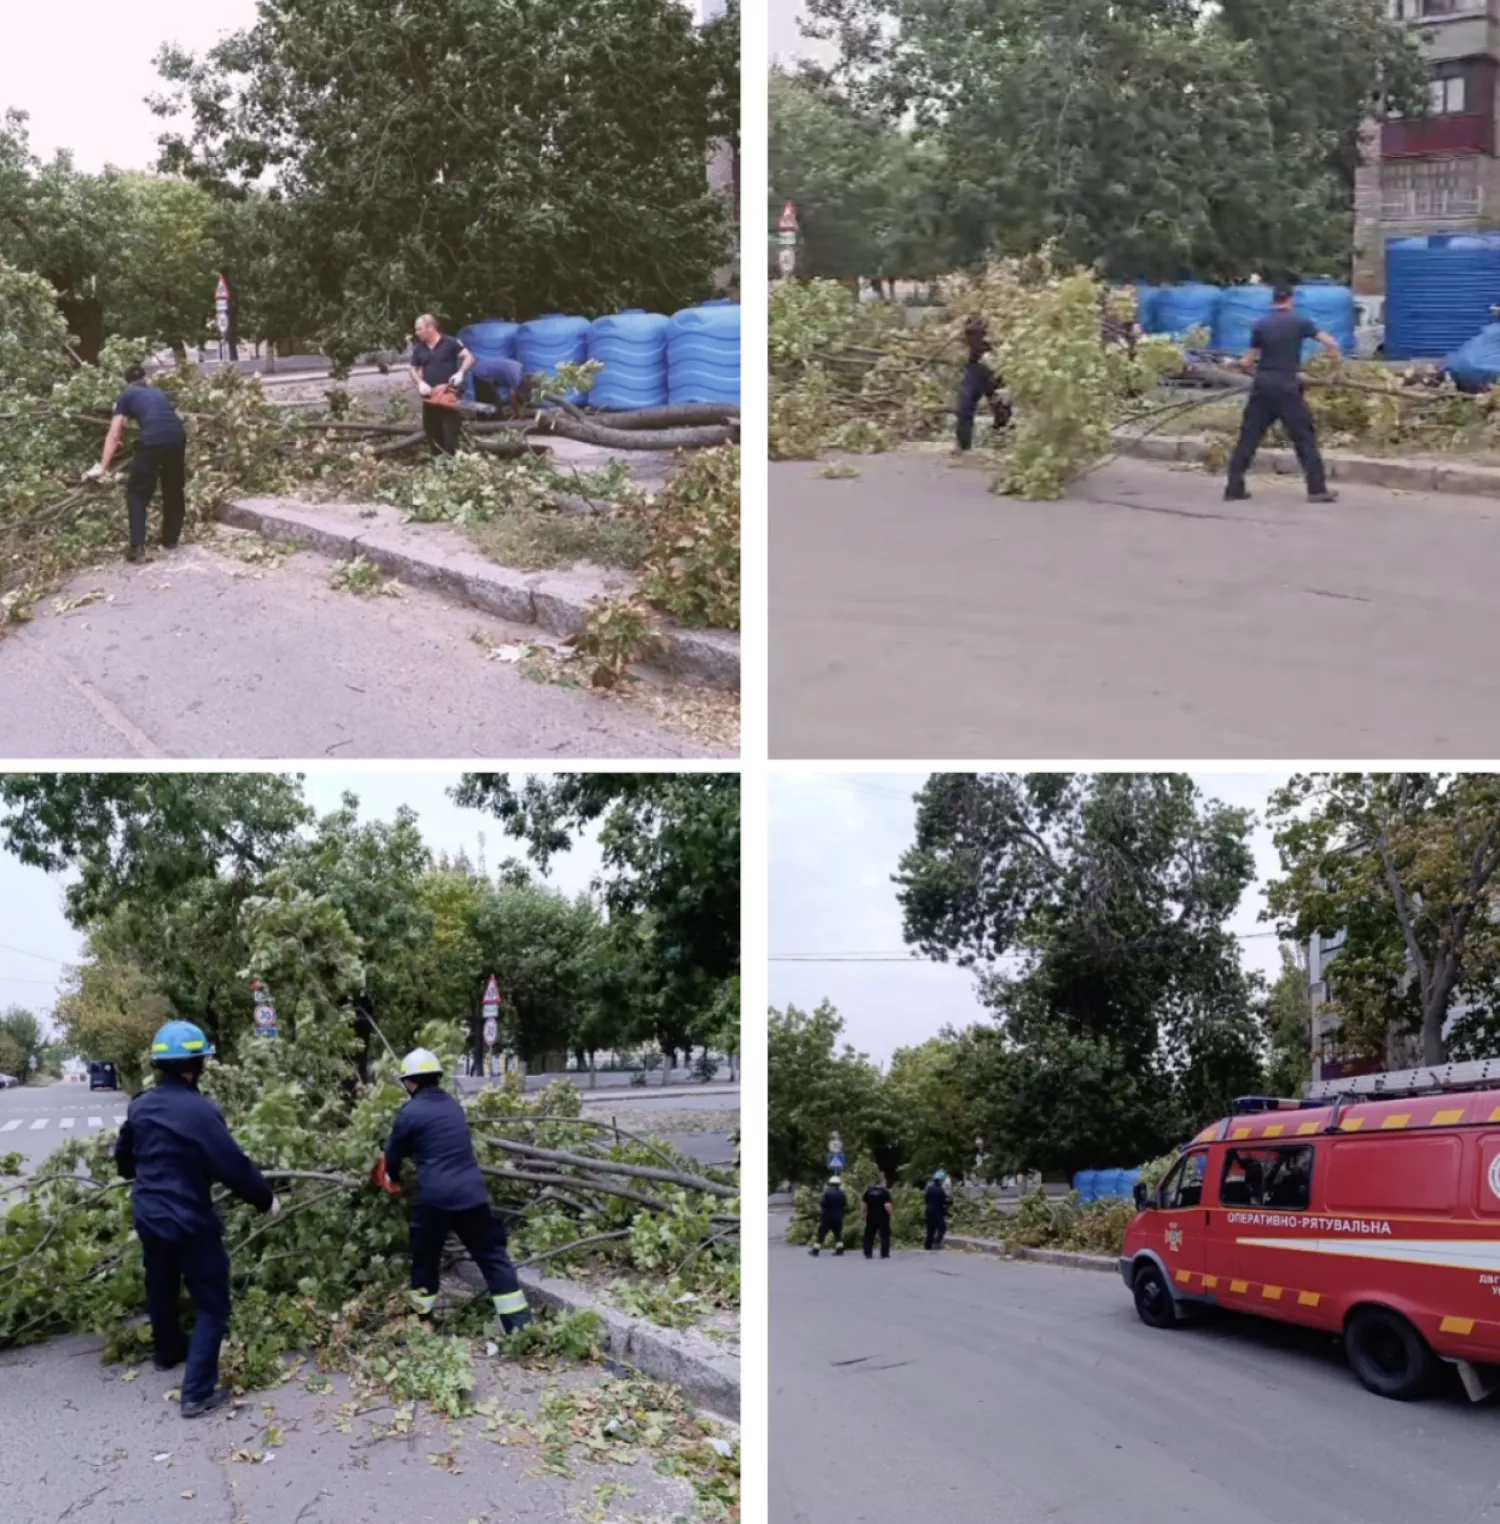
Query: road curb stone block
708, 1376
440, 558
1066, 1257
1396, 474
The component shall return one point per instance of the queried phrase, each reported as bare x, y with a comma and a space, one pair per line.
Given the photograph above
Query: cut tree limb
613, 1167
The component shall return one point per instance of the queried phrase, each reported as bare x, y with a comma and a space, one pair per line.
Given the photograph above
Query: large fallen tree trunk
587, 432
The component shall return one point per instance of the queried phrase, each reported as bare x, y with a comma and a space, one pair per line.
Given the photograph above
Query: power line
40, 957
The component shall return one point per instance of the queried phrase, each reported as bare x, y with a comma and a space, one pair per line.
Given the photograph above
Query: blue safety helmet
942, 1174
179, 1040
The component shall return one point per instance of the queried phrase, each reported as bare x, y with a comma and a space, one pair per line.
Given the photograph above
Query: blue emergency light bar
1245, 1103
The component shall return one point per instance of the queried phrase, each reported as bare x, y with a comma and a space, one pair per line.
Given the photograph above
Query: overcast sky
787, 41
84, 71
835, 841
38, 942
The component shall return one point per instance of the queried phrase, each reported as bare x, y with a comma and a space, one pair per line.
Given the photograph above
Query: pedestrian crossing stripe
41, 1124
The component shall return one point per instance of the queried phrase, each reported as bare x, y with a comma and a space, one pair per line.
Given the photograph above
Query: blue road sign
835, 1161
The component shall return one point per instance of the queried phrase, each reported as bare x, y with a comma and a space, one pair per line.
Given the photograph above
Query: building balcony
1421, 137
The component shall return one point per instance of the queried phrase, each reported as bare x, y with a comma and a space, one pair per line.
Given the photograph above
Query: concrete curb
1402, 475
438, 557
1064, 1257
704, 1372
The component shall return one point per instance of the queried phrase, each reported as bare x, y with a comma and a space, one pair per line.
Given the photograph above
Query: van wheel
1388, 1355
1153, 1299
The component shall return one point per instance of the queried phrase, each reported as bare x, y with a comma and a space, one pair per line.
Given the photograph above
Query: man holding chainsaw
160, 458
437, 368
433, 1128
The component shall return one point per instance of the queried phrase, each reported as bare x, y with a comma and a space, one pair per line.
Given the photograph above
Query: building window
1419, 190
1445, 97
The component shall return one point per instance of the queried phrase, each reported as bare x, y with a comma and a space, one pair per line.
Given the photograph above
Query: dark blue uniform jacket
433, 1129
175, 1145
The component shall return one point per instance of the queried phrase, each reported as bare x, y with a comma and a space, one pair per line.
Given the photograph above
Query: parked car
1369, 329
7, 1080
102, 1075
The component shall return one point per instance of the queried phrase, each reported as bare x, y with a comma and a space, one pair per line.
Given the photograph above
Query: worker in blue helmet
175, 1146
433, 1128
935, 1198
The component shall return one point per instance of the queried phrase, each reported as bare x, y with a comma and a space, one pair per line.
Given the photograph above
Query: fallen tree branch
581, 1243
633, 439
613, 1167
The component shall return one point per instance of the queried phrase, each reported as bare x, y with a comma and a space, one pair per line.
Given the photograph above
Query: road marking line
10, 1126
39, 1124
109, 712
67, 1123
96, 1121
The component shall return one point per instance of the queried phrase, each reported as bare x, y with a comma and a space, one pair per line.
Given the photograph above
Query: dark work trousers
978, 383
478, 1230
937, 1229
203, 1264
166, 464
834, 1225
505, 407
443, 426
1277, 402
882, 1226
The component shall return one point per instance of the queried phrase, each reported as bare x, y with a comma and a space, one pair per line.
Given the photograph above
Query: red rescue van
1371, 1210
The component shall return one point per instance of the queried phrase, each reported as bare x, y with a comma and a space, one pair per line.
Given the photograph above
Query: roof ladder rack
1476, 1075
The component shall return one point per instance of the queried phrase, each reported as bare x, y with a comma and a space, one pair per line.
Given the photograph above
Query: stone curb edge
1369, 470
707, 1377
1041, 1256
549, 600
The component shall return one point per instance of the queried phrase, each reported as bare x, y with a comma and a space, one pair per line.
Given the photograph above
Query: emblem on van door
1495, 1176
1174, 1233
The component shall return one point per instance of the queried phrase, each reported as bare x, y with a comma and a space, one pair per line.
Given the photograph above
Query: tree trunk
593, 1072
85, 320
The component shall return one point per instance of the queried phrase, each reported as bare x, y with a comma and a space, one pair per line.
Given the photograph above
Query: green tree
575, 139
168, 264
111, 1010
1157, 137
816, 1088
1288, 1022
12, 1060
1405, 864
25, 1031
934, 1104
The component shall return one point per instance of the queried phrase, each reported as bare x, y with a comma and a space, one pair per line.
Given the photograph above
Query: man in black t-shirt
1276, 396
437, 360
979, 382
160, 456
877, 1209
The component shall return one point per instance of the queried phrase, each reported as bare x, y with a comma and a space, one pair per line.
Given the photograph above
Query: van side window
1184, 1186
1268, 1177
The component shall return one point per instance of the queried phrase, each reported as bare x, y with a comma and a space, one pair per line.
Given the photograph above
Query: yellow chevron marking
1183, 1277
1276, 1130
1210, 1281
1308, 1298
1239, 1287
1271, 1293
1240, 1132
1398, 1119
1352, 1125
1448, 1118
1306, 1128
1457, 1325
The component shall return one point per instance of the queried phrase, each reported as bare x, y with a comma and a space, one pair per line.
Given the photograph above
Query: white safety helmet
420, 1061
836, 1180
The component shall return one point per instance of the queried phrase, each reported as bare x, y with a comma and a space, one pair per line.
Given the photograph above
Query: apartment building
1438, 174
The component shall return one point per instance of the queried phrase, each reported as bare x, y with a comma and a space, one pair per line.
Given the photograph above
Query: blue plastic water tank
1438, 292
1111, 1185
632, 347
1191, 305
1240, 309
547, 342
1332, 308
703, 354
1147, 304
1086, 1183
494, 338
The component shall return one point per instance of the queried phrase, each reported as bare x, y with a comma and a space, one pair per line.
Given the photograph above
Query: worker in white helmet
831, 1209
451, 1194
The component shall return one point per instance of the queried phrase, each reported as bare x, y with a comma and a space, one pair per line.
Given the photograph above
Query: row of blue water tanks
1438, 292
1105, 1184
1229, 313
649, 360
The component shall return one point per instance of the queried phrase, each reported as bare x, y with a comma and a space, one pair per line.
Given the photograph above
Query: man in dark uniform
160, 456
1276, 396
436, 360
978, 381
497, 380
831, 1211
877, 1209
936, 1198
175, 1146
451, 1194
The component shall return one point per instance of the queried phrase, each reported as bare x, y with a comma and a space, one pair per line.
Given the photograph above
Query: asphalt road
959, 1388
198, 655
914, 615
36, 1120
